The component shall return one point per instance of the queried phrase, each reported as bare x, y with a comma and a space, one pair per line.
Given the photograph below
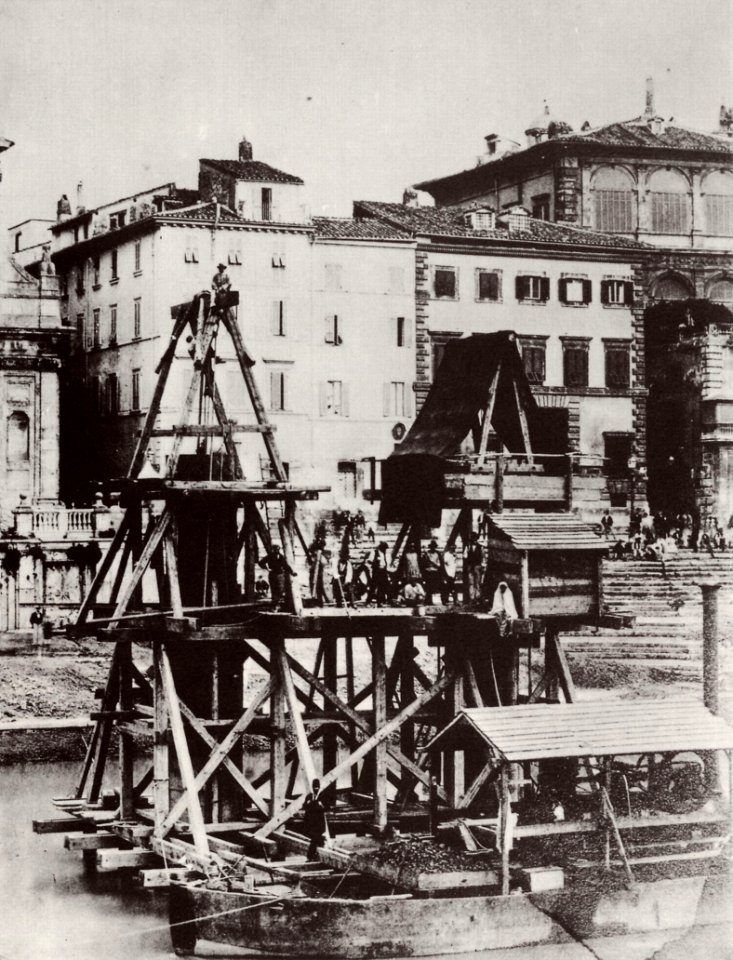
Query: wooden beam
209, 430
102, 570
488, 773
379, 676
220, 750
296, 719
195, 815
161, 772
488, 413
524, 426
277, 739
142, 563
361, 751
174, 585
220, 754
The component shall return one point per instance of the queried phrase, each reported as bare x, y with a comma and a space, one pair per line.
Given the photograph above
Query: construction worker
277, 567
221, 285
315, 825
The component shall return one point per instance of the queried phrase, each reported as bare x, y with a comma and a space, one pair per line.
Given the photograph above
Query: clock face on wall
398, 431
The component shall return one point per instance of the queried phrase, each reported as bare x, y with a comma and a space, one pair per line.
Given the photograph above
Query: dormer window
481, 219
117, 220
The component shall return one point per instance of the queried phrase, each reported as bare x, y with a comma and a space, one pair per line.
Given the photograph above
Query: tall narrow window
137, 257
113, 324
266, 203
278, 386
18, 438
445, 282
334, 329
403, 332
718, 193
395, 399
112, 395
618, 364
136, 389
614, 201
278, 318
95, 270
95, 328
670, 202
333, 399
487, 285
113, 266
575, 363
533, 356
136, 320
80, 325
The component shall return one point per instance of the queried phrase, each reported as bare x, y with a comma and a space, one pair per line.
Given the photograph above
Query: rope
183, 923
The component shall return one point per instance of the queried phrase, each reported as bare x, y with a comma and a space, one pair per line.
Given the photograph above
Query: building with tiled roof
652, 180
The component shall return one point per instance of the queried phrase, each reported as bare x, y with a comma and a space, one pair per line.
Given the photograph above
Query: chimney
245, 149
80, 197
649, 109
409, 198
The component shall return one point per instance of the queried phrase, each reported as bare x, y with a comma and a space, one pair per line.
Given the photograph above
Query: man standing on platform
473, 559
315, 826
221, 285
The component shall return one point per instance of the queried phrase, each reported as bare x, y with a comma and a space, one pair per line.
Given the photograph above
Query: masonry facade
647, 179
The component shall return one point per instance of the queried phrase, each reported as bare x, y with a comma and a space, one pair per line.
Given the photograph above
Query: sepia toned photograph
366, 479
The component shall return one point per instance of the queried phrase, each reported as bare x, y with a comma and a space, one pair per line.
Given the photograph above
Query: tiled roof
333, 228
448, 222
201, 211
637, 133
252, 170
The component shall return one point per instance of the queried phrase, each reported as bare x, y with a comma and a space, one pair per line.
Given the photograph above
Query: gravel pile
415, 856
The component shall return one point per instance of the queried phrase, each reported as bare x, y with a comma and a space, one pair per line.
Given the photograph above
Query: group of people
658, 536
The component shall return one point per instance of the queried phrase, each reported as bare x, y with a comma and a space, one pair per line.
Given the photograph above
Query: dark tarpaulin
413, 476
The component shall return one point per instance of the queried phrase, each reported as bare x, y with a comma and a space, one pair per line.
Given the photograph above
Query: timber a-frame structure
351, 694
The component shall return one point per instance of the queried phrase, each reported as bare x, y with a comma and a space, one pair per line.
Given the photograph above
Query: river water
53, 910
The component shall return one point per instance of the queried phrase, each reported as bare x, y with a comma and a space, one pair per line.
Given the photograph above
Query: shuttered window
575, 364
670, 212
136, 389
531, 288
533, 357
95, 328
618, 365
719, 214
572, 290
113, 324
617, 292
396, 399
487, 285
445, 282
136, 319
403, 332
334, 399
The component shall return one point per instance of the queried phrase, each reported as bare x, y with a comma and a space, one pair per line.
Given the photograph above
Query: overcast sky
358, 97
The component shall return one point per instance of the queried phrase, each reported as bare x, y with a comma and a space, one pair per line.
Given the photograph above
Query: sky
360, 98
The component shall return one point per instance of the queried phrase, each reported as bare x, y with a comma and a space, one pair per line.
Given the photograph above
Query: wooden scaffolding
208, 674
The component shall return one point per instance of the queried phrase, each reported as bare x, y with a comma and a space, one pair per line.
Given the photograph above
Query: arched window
18, 438
613, 201
670, 202
671, 288
718, 190
721, 291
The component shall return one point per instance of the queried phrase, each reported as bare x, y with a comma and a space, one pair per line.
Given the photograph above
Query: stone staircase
667, 605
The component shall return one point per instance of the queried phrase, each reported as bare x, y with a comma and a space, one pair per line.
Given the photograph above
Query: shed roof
548, 531
254, 170
597, 728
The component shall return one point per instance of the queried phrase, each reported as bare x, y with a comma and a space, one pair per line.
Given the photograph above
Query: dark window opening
618, 368
575, 366
534, 363
266, 203
488, 285
445, 283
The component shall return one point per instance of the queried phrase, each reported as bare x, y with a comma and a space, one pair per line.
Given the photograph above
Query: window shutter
604, 291
629, 293
520, 287
323, 399
562, 290
338, 329
275, 318
329, 329
386, 396
544, 288
408, 332
344, 400
273, 390
587, 291
284, 390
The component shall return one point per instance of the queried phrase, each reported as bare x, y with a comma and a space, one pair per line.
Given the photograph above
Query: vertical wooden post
552, 688
195, 816
161, 774
710, 670
250, 553
212, 801
350, 693
125, 747
285, 526
524, 599
569, 482
379, 676
277, 716
499, 483
407, 695
330, 678
505, 810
